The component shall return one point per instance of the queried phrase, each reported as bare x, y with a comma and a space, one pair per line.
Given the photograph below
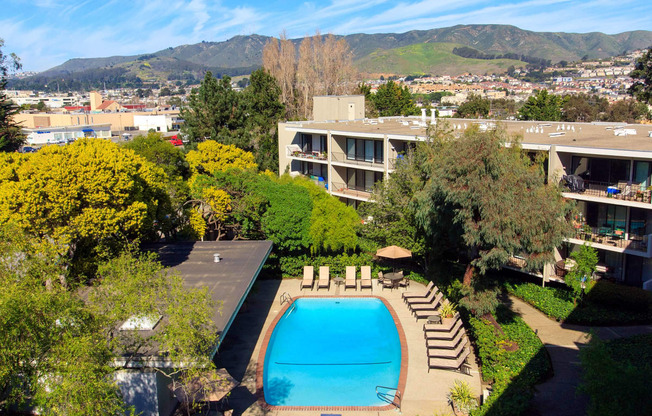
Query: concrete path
557, 396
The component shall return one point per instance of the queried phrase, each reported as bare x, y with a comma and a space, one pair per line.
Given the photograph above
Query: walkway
557, 396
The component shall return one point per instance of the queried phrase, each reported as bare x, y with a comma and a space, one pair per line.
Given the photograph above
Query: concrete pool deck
425, 392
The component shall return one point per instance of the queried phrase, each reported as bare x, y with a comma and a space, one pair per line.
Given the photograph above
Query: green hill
430, 58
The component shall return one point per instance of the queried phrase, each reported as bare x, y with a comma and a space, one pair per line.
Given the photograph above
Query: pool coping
402, 379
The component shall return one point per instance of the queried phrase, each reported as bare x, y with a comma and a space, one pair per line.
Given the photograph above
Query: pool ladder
285, 297
389, 395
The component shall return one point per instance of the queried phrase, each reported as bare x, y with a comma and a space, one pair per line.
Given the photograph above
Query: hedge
513, 373
606, 304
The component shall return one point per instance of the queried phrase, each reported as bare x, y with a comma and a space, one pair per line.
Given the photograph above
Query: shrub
479, 302
613, 295
461, 397
556, 303
513, 373
616, 374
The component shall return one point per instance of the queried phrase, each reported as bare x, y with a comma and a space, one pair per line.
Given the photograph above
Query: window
322, 144
362, 180
370, 151
306, 143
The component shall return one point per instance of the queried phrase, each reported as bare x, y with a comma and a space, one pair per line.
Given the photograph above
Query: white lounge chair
324, 278
308, 277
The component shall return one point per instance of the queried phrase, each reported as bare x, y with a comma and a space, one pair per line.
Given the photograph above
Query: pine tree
11, 137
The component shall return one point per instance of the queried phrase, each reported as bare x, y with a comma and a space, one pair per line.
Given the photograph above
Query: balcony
616, 192
341, 189
295, 151
613, 240
340, 157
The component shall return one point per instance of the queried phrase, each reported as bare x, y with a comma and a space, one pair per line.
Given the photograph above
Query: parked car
28, 149
176, 142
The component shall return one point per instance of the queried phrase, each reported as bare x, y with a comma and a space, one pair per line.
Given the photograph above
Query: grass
432, 58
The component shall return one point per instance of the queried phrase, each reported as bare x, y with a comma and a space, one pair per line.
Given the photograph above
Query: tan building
614, 161
119, 121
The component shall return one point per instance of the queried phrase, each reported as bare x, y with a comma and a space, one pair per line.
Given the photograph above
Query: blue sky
45, 33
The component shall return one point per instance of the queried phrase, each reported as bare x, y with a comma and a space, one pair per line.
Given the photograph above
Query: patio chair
324, 278
446, 343
387, 283
424, 300
405, 282
448, 353
381, 278
350, 278
412, 295
458, 364
308, 277
365, 277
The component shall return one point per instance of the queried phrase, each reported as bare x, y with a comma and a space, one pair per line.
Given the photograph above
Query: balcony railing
344, 189
616, 238
343, 158
635, 192
292, 152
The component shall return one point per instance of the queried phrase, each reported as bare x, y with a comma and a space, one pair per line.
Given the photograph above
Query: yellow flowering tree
212, 156
90, 197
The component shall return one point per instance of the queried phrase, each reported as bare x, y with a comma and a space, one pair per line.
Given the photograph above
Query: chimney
433, 120
423, 115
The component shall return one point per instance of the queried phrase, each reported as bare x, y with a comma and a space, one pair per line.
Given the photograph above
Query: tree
90, 197
641, 89
165, 92
392, 100
279, 57
11, 137
542, 107
264, 110
390, 218
583, 108
627, 111
213, 157
474, 107
580, 276
66, 365
490, 198
214, 111
324, 67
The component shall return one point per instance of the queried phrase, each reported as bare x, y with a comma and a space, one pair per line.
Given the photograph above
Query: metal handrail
285, 297
391, 396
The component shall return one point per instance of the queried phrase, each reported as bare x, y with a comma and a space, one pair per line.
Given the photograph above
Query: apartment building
612, 161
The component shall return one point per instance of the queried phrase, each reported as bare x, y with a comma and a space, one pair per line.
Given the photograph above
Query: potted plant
447, 311
461, 398
586, 229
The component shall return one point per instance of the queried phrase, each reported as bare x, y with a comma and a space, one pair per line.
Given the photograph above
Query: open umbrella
211, 387
394, 252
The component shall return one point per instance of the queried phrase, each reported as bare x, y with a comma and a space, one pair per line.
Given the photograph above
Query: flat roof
634, 137
228, 281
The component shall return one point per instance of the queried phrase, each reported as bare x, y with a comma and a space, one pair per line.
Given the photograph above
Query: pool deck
425, 392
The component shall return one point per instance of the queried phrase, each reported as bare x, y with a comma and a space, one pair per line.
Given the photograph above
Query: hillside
403, 53
430, 58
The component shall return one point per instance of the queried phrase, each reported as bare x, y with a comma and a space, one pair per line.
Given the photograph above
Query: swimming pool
332, 352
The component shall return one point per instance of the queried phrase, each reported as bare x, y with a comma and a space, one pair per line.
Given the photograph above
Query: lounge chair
447, 343
414, 295
308, 277
324, 278
432, 306
447, 353
458, 364
365, 277
422, 301
350, 278
442, 327
444, 335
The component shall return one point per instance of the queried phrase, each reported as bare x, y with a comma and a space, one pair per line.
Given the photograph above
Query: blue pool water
332, 352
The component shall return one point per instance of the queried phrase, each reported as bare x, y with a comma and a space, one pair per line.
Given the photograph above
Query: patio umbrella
394, 252
211, 387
